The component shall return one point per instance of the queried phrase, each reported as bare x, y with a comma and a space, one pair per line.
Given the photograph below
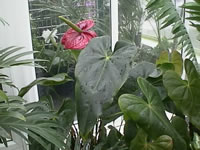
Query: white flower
47, 35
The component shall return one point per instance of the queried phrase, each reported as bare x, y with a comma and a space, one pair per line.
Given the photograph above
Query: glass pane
130, 19
44, 17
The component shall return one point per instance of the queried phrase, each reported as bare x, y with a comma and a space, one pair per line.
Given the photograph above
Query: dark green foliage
150, 114
141, 142
185, 94
99, 78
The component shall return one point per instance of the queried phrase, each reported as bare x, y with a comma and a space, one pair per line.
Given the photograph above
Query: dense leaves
185, 94
163, 142
39, 124
149, 114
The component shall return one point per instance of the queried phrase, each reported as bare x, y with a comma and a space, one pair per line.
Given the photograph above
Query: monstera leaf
185, 94
100, 73
140, 142
149, 114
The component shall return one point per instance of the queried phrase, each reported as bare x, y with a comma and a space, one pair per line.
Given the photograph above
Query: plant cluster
158, 103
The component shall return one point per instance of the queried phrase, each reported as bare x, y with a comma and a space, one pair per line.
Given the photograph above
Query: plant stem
72, 25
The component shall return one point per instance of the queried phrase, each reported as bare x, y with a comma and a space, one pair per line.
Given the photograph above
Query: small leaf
3, 97
182, 128
46, 81
163, 142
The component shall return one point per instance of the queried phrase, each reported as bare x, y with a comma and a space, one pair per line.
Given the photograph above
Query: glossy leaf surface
149, 114
185, 94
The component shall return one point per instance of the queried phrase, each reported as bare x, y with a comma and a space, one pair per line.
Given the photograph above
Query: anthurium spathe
79, 35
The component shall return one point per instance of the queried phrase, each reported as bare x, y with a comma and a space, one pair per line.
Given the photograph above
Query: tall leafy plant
165, 11
21, 118
32, 119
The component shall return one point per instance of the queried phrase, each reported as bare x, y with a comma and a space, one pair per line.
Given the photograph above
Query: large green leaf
185, 94
46, 81
140, 142
143, 69
149, 114
182, 128
100, 73
174, 58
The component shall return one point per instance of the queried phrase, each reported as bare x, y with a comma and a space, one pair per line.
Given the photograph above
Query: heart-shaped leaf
140, 142
185, 94
149, 114
174, 58
100, 73
182, 128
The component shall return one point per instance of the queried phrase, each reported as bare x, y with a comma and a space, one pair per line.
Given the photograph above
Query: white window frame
17, 33
114, 22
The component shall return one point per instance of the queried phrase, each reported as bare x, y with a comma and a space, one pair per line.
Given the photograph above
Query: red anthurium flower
78, 39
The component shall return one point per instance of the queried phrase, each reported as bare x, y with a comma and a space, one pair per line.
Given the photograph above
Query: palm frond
4, 79
39, 124
193, 8
166, 11
3, 21
11, 56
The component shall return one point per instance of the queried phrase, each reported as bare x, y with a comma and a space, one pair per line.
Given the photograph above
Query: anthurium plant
158, 104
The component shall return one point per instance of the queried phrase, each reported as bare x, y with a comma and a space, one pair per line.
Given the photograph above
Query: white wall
18, 33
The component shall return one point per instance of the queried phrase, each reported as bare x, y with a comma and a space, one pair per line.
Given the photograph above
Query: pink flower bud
79, 40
